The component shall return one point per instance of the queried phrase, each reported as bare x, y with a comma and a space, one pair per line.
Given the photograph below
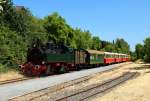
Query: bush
146, 58
147, 49
13, 48
4, 69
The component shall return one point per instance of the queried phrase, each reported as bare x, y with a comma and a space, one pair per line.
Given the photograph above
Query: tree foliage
139, 51
118, 46
121, 46
96, 43
57, 29
12, 47
147, 49
143, 51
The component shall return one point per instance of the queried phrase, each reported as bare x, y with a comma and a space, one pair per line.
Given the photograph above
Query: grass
3, 69
9, 72
7, 68
139, 61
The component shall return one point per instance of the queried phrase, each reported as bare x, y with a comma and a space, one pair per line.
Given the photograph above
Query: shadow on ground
142, 67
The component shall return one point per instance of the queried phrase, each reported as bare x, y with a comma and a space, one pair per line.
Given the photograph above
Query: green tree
12, 48
6, 12
139, 51
36, 31
22, 24
96, 43
16, 18
108, 48
133, 56
82, 39
57, 28
87, 38
147, 49
122, 46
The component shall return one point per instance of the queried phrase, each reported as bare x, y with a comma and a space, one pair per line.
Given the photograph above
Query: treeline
143, 51
19, 29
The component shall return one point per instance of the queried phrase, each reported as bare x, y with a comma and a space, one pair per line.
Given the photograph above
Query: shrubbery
143, 51
147, 49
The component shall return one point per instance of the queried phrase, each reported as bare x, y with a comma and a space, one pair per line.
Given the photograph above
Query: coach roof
95, 52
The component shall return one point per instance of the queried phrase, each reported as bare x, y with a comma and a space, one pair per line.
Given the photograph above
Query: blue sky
108, 19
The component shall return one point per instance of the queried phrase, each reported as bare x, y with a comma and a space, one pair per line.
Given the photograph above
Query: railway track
13, 80
33, 96
78, 95
97, 89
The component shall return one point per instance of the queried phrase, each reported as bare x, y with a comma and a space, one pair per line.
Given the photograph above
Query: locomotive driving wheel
27, 70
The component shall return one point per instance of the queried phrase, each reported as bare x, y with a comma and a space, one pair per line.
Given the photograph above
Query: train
59, 58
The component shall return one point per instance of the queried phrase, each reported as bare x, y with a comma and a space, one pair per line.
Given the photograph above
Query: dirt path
137, 89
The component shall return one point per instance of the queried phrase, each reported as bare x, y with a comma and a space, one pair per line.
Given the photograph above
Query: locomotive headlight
43, 62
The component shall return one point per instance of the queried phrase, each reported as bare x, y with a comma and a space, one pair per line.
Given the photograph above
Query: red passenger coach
124, 58
109, 58
120, 58
116, 56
